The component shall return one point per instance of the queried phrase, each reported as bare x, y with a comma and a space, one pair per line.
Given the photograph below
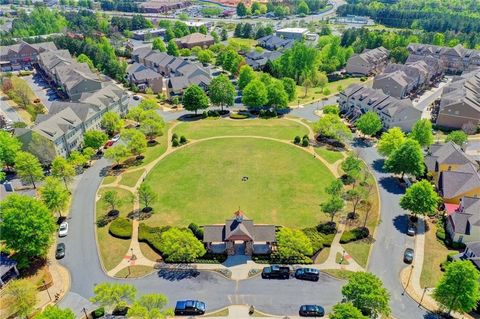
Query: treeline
282, 9
123, 5
431, 16
40, 21
249, 31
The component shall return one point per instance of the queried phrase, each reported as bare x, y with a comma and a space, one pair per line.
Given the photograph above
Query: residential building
258, 60
195, 40
274, 43
293, 33
163, 6
368, 62
455, 60
357, 100
463, 225
143, 77
8, 269
461, 182
460, 102
472, 253
472, 149
435, 67
145, 33
18, 56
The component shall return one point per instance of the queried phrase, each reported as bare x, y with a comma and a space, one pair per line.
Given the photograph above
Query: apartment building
369, 62
18, 56
464, 224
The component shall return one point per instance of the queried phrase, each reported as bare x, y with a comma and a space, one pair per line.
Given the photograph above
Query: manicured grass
131, 178
340, 260
328, 155
134, 272
315, 94
109, 180
322, 256
202, 183
338, 273
112, 250
359, 251
276, 128
243, 42
148, 252
435, 253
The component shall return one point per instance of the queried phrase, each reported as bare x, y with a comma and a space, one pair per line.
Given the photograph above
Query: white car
63, 229
116, 138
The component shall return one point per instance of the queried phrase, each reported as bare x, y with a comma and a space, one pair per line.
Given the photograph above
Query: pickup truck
276, 272
189, 307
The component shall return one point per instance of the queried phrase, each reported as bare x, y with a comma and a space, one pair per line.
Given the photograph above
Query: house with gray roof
195, 39
460, 102
258, 60
458, 183
472, 253
17, 56
357, 100
368, 62
464, 224
274, 43
143, 77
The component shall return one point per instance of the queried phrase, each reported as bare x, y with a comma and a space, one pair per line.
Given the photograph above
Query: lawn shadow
177, 272
390, 185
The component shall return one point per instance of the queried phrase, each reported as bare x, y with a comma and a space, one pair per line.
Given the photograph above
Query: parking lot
42, 90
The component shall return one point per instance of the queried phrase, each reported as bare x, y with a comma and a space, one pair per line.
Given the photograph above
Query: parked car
408, 255
60, 251
136, 97
276, 272
63, 229
108, 144
189, 308
311, 311
307, 274
116, 138
411, 229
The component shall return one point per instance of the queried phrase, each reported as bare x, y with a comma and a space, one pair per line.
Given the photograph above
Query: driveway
42, 90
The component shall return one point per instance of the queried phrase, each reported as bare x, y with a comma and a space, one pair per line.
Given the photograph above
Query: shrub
213, 113
305, 142
196, 230
363, 79
327, 228
315, 238
121, 228
297, 140
237, 116
212, 259
441, 233
98, 313
175, 143
151, 235
183, 139
174, 136
354, 234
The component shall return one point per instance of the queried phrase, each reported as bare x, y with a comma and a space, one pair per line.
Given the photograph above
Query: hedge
237, 116
327, 228
151, 235
278, 258
196, 230
121, 228
209, 258
315, 238
354, 234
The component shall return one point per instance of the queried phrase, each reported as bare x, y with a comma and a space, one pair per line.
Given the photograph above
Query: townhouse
369, 62
472, 253
454, 60
143, 77
258, 60
357, 100
18, 56
463, 225
460, 102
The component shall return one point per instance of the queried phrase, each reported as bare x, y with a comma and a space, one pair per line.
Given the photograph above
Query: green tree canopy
111, 295
346, 311
117, 153
332, 206
241, 9
111, 122
366, 292
457, 137
422, 132
28, 168
331, 126
222, 92
159, 45
369, 123
61, 168
458, 289
290, 88
148, 104
335, 188
195, 99
135, 140
54, 194
27, 227
352, 166
180, 245
293, 242
53, 312
255, 94
406, 159
331, 109
152, 128
421, 198
246, 76
276, 95
9, 147
172, 48
94, 139
390, 141
111, 200
24, 293
82, 58
150, 306
146, 195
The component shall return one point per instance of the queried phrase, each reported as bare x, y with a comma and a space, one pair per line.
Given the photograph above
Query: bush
267, 114
151, 235
196, 230
213, 113
277, 258
212, 258
174, 136
327, 228
175, 143
354, 234
297, 140
98, 313
315, 238
121, 228
183, 139
305, 142
237, 116
363, 79
441, 233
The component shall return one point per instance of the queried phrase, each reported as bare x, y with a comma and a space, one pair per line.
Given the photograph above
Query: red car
108, 144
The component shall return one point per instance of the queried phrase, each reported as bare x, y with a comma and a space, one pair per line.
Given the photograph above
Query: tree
421, 198
172, 48
179, 245
255, 94
24, 292
356, 195
77, 160
205, 56
366, 292
222, 92
117, 153
369, 123
88, 153
276, 95
27, 227
457, 137
111, 122
335, 188
290, 88
152, 128
159, 45
293, 242
422, 132
135, 140
148, 104
53, 312
332, 206
346, 311
406, 159
94, 139
112, 295
146, 195
246, 75
302, 8
390, 141
195, 99
331, 109
28, 168
82, 58
150, 306
54, 194
241, 9
306, 83
458, 289
111, 200
352, 166
399, 54
136, 114
9, 147
331, 126
61, 168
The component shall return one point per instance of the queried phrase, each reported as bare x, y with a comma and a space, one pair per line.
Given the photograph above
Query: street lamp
423, 295
48, 292
85, 312
408, 281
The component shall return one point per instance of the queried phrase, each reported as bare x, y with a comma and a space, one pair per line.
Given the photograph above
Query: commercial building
292, 33
145, 33
195, 40
163, 6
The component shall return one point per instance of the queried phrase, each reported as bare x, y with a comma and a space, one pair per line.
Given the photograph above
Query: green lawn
359, 251
112, 249
202, 183
276, 128
328, 155
153, 152
109, 179
134, 272
339, 273
131, 178
242, 42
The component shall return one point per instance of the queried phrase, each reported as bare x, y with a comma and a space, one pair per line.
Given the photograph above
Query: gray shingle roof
236, 229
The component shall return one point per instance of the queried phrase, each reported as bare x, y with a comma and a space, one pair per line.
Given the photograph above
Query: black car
311, 311
189, 308
276, 272
307, 274
408, 255
60, 252
411, 229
